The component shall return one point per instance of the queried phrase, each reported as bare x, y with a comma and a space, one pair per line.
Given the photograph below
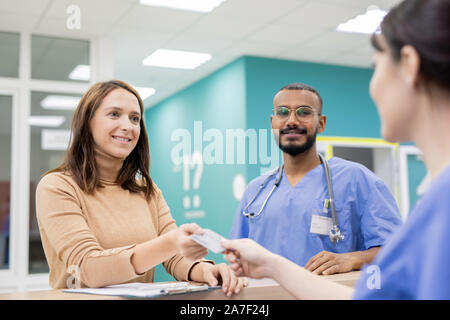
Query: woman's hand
185, 245
248, 258
218, 274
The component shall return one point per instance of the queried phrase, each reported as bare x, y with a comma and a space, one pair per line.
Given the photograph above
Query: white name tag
321, 225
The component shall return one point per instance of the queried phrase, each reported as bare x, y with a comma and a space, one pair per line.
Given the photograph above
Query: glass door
6, 107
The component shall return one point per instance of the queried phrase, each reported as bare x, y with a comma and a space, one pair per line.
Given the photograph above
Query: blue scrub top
366, 210
415, 263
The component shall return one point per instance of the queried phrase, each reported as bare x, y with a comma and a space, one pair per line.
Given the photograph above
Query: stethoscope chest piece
336, 235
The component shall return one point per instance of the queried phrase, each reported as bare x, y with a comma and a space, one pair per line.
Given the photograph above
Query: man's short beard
295, 150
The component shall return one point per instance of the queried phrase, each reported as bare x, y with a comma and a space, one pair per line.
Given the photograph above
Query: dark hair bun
425, 25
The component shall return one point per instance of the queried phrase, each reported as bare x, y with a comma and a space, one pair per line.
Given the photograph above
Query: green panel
210, 106
416, 175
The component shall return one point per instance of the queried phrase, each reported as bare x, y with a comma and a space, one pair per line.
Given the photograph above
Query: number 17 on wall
192, 168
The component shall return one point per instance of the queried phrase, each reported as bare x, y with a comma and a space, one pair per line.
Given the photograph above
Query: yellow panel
364, 141
371, 141
329, 152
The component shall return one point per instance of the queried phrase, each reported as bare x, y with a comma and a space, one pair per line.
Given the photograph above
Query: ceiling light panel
367, 23
144, 93
176, 59
190, 5
55, 102
46, 121
81, 72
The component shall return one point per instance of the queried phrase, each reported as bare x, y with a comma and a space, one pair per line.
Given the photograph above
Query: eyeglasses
303, 113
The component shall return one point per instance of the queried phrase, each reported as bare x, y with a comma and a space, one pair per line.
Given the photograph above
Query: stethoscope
335, 233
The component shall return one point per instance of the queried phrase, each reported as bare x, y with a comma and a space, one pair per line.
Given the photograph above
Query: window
50, 122
60, 59
9, 54
37, 102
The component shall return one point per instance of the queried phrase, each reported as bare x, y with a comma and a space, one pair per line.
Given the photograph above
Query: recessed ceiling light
367, 23
144, 93
46, 121
81, 72
54, 102
176, 59
191, 5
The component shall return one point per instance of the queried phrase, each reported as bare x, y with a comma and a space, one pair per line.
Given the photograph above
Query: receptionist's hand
248, 258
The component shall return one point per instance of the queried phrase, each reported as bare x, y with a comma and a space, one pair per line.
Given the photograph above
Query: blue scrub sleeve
414, 265
434, 276
239, 229
380, 216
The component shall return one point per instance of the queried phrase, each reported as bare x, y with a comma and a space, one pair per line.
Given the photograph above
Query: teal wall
240, 95
416, 175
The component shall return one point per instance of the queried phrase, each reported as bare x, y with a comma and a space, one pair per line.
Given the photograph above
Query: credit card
210, 240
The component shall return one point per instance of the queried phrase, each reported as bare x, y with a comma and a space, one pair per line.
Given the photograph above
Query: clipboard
144, 290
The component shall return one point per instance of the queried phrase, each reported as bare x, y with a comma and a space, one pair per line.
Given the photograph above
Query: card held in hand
210, 240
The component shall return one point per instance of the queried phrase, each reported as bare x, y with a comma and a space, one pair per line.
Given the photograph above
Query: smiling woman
116, 128
94, 121
102, 219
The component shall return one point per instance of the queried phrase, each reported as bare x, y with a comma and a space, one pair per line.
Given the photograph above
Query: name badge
321, 225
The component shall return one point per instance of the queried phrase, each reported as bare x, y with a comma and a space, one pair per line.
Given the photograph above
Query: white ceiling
286, 29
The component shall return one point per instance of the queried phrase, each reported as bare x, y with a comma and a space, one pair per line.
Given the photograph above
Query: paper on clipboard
142, 290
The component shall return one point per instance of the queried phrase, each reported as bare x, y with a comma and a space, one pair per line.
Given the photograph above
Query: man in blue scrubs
296, 219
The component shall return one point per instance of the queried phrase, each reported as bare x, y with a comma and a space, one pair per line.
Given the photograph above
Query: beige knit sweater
89, 237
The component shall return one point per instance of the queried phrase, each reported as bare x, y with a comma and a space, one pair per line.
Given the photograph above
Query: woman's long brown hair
79, 160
